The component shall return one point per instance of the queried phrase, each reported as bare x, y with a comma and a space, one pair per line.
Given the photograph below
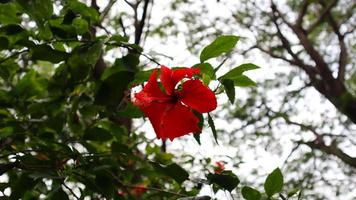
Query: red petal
179, 120
151, 92
155, 112
170, 78
185, 72
166, 79
198, 96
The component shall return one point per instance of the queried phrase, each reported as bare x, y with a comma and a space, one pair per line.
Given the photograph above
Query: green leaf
5, 132
47, 53
31, 85
119, 39
229, 89
274, 182
222, 44
45, 32
8, 14
173, 170
212, 126
117, 147
105, 183
237, 71
62, 30
243, 81
200, 124
130, 111
21, 185
4, 43
141, 77
293, 192
5, 98
86, 12
11, 29
59, 194
39, 10
83, 58
207, 72
197, 137
226, 180
250, 194
111, 91
81, 26
97, 134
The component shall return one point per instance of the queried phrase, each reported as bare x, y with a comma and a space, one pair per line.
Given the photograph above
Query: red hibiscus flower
171, 111
219, 167
139, 189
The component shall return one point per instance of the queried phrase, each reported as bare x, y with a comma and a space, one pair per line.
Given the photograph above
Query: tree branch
302, 13
107, 9
122, 26
332, 149
321, 16
321, 65
343, 51
141, 23
70, 190
287, 46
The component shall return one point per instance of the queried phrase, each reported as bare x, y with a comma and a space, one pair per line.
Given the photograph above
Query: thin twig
13, 55
146, 188
70, 190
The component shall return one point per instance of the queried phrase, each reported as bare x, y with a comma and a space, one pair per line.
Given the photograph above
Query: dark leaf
226, 180
229, 89
274, 182
59, 194
47, 53
86, 12
112, 90
141, 77
130, 111
105, 183
4, 43
117, 147
39, 10
173, 170
20, 186
212, 126
200, 124
97, 134
84, 58
11, 29
250, 194
31, 85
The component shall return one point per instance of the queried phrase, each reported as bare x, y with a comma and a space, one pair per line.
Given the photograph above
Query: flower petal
166, 79
150, 92
198, 96
170, 78
177, 121
185, 72
155, 112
